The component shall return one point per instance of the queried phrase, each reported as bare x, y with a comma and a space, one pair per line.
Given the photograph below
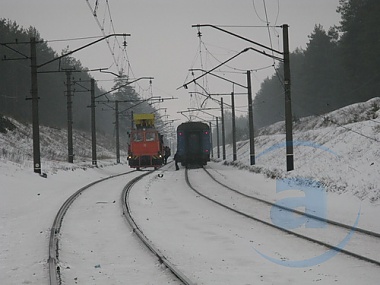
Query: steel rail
328, 221
136, 229
54, 268
329, 246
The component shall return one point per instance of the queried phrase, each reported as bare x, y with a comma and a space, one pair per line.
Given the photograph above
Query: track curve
54, 269
328, 221
136, 229
269, 224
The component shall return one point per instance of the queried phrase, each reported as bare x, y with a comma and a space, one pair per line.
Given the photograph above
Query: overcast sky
163, 44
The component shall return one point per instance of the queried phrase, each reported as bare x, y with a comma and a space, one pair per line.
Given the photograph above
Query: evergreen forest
338, 67
15, 86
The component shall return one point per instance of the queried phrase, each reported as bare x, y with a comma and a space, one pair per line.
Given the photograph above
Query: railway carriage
193, 143
146, 143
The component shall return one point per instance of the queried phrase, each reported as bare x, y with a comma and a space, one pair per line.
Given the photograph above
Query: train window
150, 136
137, 137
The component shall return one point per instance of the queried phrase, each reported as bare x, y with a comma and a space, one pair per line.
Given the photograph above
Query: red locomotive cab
145, 145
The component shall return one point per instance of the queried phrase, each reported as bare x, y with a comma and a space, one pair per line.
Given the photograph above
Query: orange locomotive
146, 143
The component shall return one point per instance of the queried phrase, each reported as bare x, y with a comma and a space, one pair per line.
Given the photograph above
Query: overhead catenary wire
122, 61
270, 37
73, 39
209, 53
204, 79
235, 68
268, 26
257, 14
102, 30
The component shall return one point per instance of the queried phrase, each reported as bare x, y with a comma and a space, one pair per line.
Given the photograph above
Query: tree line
338, 67
15, 85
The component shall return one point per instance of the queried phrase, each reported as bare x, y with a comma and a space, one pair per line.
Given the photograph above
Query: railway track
253, 208
136, 229
56, 267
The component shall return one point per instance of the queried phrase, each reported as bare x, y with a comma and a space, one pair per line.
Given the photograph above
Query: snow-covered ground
215, 246
339, 151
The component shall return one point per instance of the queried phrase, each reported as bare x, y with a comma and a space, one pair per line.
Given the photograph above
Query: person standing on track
176, 161
167, 154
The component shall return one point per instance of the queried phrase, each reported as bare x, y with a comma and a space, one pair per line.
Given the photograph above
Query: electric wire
102, 30
270, 37
73, 39
257, 14
245, 26
113, 28
269, 34
237, 70
204, 79
122, 65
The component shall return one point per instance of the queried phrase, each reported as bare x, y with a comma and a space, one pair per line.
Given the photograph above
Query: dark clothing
176, 161
167, 154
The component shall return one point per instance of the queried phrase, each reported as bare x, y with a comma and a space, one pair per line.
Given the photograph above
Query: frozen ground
341, 152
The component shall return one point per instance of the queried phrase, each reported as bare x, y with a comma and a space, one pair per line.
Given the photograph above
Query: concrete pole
93, 127
211, 142
217, 136
223, 129
234, 155
288, 103
117, 131
35, 116
70, 148
250, 117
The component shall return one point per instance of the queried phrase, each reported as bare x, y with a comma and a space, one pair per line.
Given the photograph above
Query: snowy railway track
136, 229
54, 268
366, 249
84, 231
331, 222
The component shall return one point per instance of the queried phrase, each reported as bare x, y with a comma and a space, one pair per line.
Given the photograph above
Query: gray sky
163, 44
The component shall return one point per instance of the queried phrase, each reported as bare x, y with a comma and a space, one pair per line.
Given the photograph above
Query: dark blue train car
193, 143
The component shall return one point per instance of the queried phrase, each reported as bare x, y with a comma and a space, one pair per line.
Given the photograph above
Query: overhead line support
238, 36
287, 85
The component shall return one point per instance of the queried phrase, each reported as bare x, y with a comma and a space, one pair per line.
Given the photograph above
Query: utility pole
234, 155
217, 136
223, 130
288, 104
211, 142
250, 117
36, 127
232, 106
69, 118
117, 131
287, 85
34, 84
94, 162
93, 127
34, 91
